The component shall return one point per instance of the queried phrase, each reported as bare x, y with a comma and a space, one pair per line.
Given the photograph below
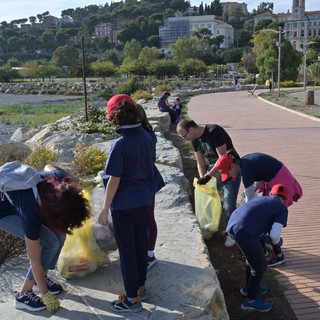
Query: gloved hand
204, 180
51, 302
267, 239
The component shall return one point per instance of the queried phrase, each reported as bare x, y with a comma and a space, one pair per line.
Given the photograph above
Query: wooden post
309, 99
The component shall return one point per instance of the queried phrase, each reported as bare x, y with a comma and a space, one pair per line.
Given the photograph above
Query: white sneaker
229, 242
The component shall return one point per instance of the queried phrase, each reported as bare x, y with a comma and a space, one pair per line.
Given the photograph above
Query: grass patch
39, 114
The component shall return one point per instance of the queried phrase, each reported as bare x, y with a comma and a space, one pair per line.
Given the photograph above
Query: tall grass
37, 114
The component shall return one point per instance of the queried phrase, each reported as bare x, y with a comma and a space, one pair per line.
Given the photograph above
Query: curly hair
63, 206
126, 114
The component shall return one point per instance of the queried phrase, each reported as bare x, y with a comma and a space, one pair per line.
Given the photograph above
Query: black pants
131, 227
256, 266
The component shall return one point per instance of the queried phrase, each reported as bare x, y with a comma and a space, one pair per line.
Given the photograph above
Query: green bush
141, 94
130, 86
40, 157
288, 84
162, 87
88, 160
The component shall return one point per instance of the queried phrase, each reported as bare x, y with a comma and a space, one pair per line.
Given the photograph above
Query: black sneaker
124, 305
53, 287
29, 301
152, 261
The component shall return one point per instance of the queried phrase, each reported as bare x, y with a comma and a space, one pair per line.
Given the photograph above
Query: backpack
17, 176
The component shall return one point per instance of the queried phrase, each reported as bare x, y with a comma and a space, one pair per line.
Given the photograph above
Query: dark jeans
152, 229
256, 266
131, 227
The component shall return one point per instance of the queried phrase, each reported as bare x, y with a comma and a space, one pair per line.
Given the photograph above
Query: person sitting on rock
164, 106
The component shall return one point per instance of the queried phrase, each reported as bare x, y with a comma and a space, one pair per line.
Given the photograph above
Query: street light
279, 61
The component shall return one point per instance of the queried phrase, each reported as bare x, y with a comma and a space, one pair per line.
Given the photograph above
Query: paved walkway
256, 126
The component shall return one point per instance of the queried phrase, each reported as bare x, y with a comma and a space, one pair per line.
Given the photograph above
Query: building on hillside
299, 26
229, 6
106, 30
179, 26
25, 26
50, 21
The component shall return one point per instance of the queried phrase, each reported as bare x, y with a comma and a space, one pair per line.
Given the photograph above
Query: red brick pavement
256, 126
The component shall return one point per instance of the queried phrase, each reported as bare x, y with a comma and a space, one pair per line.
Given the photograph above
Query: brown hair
146, 125
187, 124
127, 114
63, 206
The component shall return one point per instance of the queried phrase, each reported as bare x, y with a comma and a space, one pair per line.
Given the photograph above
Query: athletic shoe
256, 305
152, 261
143, 294
229, 242
53, 287
262, 290
124, 305
29, 301
276, 260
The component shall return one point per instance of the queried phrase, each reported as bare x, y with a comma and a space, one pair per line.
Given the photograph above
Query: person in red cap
247, 225
260, 172
129, 177
210, 142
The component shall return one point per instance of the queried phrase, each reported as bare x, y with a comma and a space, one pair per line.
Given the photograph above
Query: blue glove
204, 180
267, 239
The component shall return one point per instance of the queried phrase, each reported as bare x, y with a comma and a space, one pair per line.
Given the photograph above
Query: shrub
88, 160
141, 94
130, 86
40, 157
162, 87
288, 83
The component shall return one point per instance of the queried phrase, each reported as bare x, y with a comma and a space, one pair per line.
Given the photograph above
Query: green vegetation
38, 114
40, 157
88, 160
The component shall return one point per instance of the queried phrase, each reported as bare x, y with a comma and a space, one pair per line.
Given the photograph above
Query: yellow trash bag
81, 254
207, 207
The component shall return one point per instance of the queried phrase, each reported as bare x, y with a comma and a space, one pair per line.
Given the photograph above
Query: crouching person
43, 224
247, 225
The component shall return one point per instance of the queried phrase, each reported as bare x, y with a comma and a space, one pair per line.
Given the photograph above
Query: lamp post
279, 61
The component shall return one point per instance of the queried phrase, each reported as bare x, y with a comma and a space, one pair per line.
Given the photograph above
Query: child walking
129, 195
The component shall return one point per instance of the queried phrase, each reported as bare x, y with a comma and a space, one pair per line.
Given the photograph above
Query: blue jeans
230, 195
51, 242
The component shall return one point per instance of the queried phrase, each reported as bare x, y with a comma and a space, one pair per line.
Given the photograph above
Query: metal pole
279, 60
84, 80
304, 69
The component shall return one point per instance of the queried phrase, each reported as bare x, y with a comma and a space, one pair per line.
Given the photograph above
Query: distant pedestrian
247, 226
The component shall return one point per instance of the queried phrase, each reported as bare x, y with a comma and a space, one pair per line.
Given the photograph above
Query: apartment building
299, 25
229, 6
106, 30
180, 26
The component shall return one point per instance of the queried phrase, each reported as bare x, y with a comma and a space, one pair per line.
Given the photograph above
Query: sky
18, 9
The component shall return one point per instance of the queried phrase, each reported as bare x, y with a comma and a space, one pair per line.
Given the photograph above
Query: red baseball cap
223, 165
115, 101
279, 190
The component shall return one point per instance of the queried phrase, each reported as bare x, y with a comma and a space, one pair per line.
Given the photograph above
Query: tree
148, 55
264, 7
216, 8
65, 56
103, 69
314, 71
265, 48
31, 69
7, 73
163, 68
32, 19
132, 50
248, 61
193, 67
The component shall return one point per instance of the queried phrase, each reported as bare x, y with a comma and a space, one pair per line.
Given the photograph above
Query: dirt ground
228, 262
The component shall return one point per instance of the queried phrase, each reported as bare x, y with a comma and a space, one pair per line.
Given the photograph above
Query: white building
179, 26
299, 26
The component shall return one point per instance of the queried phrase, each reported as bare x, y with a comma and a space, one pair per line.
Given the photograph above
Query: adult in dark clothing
164, 106
209, 143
